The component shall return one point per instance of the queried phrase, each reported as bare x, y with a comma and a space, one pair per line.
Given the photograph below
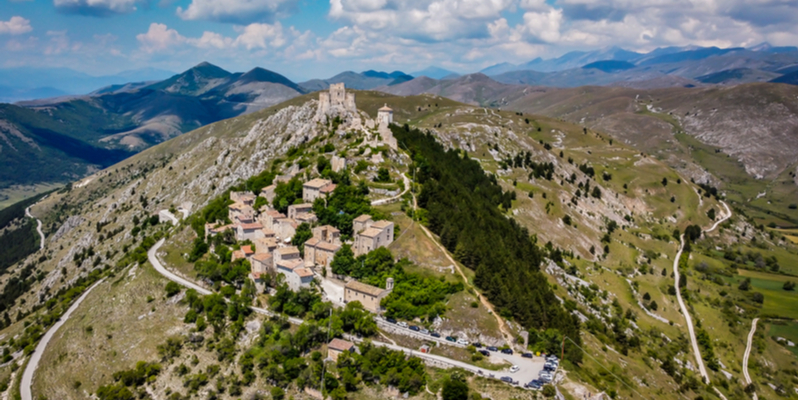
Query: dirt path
698, 358
746, 358
27, 377
728, 214
38, 227
407, 185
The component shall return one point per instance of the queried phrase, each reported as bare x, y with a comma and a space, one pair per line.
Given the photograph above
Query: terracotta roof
385, 108
237, 206
252, 226
362, 218
317, 183
275, 213
247, 249
305, 216
301, 206
312, 242
262, 256
328, 247
270, 187
328, 188
364, 288
291, 264
303, 272
371, 232
267, 232
237, 254
381, 224
288, 250
329, 228
340, 344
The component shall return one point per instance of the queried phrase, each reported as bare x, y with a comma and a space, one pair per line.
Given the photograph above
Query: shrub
172, 289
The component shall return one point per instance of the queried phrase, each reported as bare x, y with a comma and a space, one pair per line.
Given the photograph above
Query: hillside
603, 218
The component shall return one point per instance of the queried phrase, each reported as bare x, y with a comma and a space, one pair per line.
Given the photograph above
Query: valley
509, 227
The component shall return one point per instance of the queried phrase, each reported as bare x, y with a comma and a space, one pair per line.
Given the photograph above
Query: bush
454, 389
548, 390
172, 289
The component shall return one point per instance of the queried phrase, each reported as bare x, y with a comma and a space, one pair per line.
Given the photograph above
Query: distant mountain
31, 83
609, 65
433, 72
62, 139
738, 75
498, 69
360, 81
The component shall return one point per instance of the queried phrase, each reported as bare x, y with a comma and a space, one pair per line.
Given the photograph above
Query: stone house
338, 163
327, 233
306, 217
285, 254
250, 231
311, 189
268, 193
246, 198
266, 245
260, 264
240, 212
370, 235
268, 217
338, 346
369, 296
284, 228
295, 274
296, 209
320, 252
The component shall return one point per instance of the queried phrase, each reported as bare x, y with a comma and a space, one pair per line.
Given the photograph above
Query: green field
788, 331
777, 301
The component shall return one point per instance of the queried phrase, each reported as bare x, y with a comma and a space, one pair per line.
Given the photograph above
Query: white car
402, 324
462, 342
513, 369
424, 331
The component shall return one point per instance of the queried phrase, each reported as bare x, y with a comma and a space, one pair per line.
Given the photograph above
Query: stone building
385, 118
250, 231
338, 346
370, 235
285, 254
338, 163
260, 264
296, 209
312, 188
320, 252
385, 115
268, 193
337, 102
369, 296
327, 233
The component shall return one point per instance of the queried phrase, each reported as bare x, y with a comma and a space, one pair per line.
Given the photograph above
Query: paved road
747, 354
698, 357
27, 377
727, 215
38, 227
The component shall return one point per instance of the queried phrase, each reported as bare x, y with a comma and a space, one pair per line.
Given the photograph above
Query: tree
277, 393
647, 296
745, 285
712, 214
789, 285
567, 220
383, 176
596, 192
664, 182
548, 390
172, 289
301, 235
758, 297
343, 261
653, 306
455, 389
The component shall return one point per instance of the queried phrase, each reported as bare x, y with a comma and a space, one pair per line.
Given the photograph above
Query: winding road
698, 357
27, 377
747, 354
38, 226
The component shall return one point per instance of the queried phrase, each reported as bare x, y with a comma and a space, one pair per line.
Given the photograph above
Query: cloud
97, 8
159, 38
261, 36
15, 26
237, 11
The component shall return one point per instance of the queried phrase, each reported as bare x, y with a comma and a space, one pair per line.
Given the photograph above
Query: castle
338, 102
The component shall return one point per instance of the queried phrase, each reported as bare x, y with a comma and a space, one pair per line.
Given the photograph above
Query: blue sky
314, 38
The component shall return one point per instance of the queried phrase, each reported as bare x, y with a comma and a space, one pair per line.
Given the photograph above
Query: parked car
484, 352
392, 320
462, 342
425, 331
514, 368
527, 355
450, 339
402, 324
548, 366
534, 384
507, 379
414, 328
436, 334
507, 351
491, 348
477, 345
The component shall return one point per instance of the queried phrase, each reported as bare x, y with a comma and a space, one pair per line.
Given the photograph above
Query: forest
462, 204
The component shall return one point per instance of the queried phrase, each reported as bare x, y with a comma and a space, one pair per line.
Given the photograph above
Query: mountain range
66, 136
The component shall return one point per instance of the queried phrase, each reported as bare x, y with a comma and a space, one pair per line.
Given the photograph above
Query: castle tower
385, 115
389, 284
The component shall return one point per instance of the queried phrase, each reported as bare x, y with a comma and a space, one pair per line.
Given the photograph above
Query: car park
450, 339
414, 328
513, 369
527, 355
392, 320
491, 348
462, 342
436, 334
402, 324
508, 351
484, 352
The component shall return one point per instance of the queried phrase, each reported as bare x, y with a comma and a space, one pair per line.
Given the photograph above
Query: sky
305, 39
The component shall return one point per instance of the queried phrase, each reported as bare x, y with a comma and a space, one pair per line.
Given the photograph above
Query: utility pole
322, 379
